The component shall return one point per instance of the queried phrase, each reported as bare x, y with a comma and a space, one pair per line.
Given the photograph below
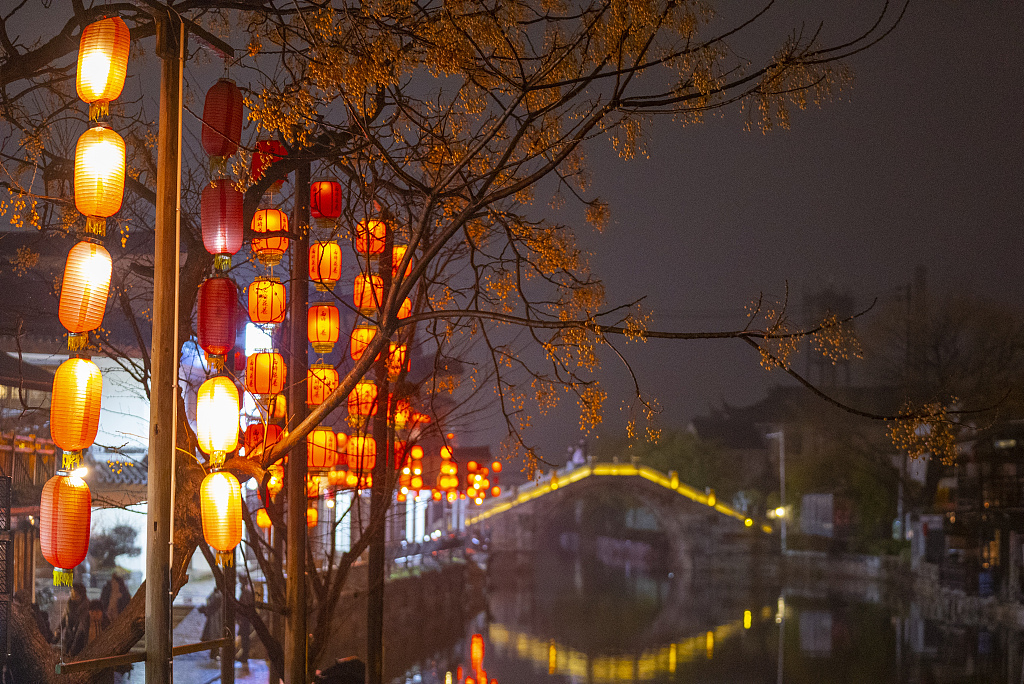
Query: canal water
558, 619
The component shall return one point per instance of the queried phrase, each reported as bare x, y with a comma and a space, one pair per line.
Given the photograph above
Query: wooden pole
295, 668
164, 353
227, 652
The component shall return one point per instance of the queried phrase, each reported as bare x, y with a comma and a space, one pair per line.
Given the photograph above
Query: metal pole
295, 618
163, 353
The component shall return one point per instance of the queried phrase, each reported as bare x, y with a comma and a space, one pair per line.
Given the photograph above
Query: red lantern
261, 436
222, 221
222, 120
65, 515
368, 292
269, 250
267, 299
267, 152
325, 199
323, 327
370, 234
324, 264
265, 373
321, 380
321, 450
218, 301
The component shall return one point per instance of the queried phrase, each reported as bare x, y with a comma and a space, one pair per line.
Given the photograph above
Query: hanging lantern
362, 403
277, 407
402, 414
321, 380
321, 450
361, 454
274, 223
83, 292
396, 360
324, 264
102, 64
263, 519
312, 516
370, 234
360, 340
267, 301
275, 483
221, 217
220, 499
405, 310
368, 292
267, 152
222, 123
265, 373
312, 486
99, 176
323, 327
397, 254
215, 324
217, 417
261, 436
75, 404
325, 200
65, 516
336, 478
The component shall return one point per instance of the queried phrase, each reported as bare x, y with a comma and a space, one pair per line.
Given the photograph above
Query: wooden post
227, 652
295, 667
164, 353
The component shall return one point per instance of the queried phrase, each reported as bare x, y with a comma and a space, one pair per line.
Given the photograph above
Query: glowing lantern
221, 216
362, 402
267, 300
405, 310
312, 487
321, 450
277, 407
397, 254
321, 380
263, 519
370, 234
336, 478
261, 436
65, 516
102, 64
273, 222
323, 327
368, 292
476, 653
402, 415
360, 340
222, 122
361, 453
220, 500
217, 417
312, 516
325, 199
75, 404
83, 292
215, 324
324, 264
267, 152
265, 373
396, 360
99, 176
275, 483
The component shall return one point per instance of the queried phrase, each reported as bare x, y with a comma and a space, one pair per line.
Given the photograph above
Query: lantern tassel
226, 559
99, 110
222, 263
96, 225
63, 577
78, 341
216, 362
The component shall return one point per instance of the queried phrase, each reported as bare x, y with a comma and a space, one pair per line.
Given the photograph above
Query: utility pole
781, 436
295, 666
170, 46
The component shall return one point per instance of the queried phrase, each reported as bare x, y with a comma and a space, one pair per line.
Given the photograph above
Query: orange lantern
275, 483
261, 436
397, 254
83, 292
277, 407
324, 264
405, 310
312, 487
263, 519
312, 516
267, 299
323, 327
368, 292
99, 176
396, 360
361, 453
321, 450
65, 516
321, 380
362, 402
274, 223
75, 404
361, 338
370, 234
402, 416
265, 373
102, 64
217, 417
336, 478
220, 500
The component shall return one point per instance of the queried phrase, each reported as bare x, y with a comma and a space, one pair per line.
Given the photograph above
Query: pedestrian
114, 597
248, 600
214, 627
74, 624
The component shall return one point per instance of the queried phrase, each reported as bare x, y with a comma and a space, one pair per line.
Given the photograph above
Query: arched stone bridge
696, 526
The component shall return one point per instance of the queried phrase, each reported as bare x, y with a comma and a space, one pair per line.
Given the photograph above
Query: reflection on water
569, 621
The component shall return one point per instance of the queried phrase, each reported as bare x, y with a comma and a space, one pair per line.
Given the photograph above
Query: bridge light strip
556, 480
